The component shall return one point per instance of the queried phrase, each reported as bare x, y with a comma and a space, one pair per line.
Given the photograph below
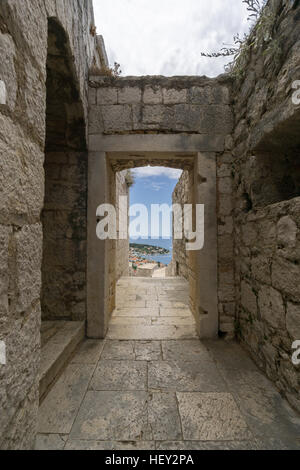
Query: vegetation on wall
106, 71
129, 178
263, 16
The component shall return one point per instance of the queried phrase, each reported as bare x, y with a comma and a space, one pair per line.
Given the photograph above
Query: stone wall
196, 105
190, 107
180, 259
122, 246
266, 190
23, 49
183, 262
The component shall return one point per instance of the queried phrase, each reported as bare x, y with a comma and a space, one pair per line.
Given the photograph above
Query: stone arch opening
119, 164
201, 168
64, 214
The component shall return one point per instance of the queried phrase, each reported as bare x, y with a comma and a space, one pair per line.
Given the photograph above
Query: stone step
60, 339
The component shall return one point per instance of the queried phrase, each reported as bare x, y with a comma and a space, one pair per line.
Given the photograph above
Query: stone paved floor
153, 385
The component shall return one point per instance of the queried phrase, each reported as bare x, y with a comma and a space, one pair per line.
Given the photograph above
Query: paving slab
211, 417
175, 312
117, 416
184, 376
50, 441
189, 350
148, 351
59, 409
176, 320
154, 332
229, 355
136, 312
120, 375
164, 416
118, 350
89, 352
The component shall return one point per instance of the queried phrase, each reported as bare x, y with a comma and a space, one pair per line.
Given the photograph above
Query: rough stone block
293, 320
129, 95
28, 265
107, 96
173, 96
287, 232
21, 175
153, 114
261, 269
248, 298
9, 85
117, 118
225, 185
96, 125
211, 416
152, 95
271, 307
286, 277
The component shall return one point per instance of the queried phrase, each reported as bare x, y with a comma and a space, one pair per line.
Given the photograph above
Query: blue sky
153, 185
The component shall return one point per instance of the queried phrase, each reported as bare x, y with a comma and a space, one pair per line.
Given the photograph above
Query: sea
166, 243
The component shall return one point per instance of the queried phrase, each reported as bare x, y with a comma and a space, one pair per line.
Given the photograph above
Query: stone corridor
151, 384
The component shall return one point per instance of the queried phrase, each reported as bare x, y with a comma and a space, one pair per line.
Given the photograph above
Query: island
140, 249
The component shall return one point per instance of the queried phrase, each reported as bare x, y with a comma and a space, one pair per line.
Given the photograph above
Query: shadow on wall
65, 207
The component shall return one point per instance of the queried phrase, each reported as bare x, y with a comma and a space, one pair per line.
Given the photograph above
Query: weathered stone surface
248, 298
286, 277
293, 320
287, 232
188, 350
22, 197
107, 96
118, 351
184, 376
18, 379
152, 95
7, 70
271, 307
117, 118
112, 416
164, 416
229, 355
129, 95
211, 416
5, 234
148, 351
23, 49
89, 352
173, 96
58, 412
50, 442
120, 375
28, 269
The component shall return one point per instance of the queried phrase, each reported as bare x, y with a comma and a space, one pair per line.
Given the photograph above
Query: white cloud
166, 37
148, 171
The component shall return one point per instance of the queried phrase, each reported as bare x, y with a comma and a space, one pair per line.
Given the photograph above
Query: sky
166, 37
153, 185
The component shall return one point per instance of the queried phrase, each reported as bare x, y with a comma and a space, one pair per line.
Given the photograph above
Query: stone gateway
69, 132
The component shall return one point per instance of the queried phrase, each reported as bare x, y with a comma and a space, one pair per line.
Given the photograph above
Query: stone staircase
59, 341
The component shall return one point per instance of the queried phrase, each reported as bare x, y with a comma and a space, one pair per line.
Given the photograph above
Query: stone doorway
102, 280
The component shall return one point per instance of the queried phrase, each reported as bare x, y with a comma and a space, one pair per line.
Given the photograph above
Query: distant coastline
150, 250
143, 253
